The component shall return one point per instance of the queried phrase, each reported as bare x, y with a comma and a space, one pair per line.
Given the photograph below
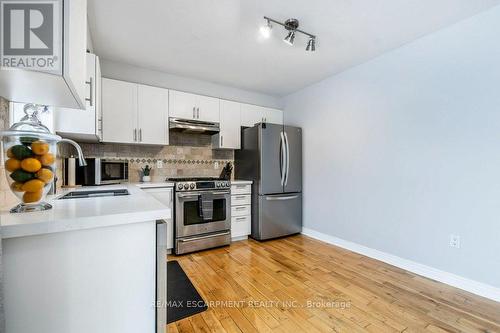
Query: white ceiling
218, 40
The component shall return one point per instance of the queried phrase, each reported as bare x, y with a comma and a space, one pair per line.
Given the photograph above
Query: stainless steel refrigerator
271, 156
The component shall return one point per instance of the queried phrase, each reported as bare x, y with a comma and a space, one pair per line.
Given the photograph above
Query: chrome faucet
81, 159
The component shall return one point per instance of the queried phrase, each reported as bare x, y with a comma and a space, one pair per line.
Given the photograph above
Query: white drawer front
240, 210
240, 226
238, 200
241, 189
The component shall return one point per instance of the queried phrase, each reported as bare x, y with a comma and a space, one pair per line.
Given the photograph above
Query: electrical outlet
159, 164
216, 165
455, 241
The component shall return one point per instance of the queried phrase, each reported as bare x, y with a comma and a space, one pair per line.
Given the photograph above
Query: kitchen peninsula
95, 256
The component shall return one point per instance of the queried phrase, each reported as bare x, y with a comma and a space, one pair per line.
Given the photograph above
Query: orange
12, 164
16, 187
31, 164
47, 159
40, 147
30, 197
45, 175
33, 185
10, 154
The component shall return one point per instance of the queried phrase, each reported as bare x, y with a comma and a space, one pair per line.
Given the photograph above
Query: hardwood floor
271, 283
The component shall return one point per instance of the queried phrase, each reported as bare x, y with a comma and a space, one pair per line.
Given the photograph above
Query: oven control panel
203, 185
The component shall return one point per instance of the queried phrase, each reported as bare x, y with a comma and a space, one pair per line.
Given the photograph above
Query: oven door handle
185, 195
203, 237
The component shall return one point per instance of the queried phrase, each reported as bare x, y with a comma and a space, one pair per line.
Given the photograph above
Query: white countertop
86, 213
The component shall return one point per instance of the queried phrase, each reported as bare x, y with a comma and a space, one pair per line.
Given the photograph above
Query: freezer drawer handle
282, 198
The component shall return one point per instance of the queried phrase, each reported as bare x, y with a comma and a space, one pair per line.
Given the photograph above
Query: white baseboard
451, 279
239, 238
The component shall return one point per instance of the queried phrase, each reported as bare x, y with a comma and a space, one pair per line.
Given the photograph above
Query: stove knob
179, 186
186, 186
192, 186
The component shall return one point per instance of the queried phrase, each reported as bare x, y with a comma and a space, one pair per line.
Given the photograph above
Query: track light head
290, 38
265, 30
311, 45
292, 28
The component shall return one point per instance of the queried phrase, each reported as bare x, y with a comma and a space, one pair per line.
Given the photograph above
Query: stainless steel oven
202, 215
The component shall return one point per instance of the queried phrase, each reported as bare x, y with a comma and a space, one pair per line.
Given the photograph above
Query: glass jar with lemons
30, 152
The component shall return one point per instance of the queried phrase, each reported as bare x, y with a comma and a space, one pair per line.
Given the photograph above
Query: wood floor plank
299, 284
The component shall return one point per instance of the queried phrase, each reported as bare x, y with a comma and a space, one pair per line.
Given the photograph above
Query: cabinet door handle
241, 218
198, 112
221, 140
140, 134
194, 112
135, 134
91, 98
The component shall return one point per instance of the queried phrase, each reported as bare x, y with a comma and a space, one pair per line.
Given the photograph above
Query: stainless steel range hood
193, 126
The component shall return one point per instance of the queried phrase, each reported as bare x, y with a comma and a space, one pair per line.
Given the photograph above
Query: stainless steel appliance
271, 156
99, 171
193, 126
161, 275
202, 214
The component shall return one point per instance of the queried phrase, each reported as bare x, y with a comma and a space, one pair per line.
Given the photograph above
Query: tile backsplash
187, 155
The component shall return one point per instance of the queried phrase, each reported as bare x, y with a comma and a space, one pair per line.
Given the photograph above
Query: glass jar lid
30, 125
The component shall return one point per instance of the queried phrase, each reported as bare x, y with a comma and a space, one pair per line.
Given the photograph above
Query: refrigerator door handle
290, 197
287, 152
282, 158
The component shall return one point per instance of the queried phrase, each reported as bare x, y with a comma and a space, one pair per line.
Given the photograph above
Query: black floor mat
182, 297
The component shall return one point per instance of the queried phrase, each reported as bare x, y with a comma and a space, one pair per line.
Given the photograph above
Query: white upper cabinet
84, 125
182, 105
134, 113
273, 116
195, 107
119, 111
152, 121
63, 86
253, 114
229, 136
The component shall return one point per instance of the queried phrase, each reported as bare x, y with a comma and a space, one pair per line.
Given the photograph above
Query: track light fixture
292, 26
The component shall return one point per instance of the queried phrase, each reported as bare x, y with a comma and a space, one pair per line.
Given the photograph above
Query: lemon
12, 164
40, 147
31, 164
33, 185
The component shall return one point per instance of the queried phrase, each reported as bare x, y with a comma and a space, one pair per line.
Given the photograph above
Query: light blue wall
404, 150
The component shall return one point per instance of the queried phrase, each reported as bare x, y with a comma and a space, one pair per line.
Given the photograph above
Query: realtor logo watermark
30, 35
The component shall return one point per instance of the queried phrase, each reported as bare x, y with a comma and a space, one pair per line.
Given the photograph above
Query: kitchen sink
94, 194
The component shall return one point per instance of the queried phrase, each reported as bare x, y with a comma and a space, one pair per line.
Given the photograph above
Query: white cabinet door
119, 111
251, 115
229, 136
182, 105
152, 115
207, 109
83, 125
273, 116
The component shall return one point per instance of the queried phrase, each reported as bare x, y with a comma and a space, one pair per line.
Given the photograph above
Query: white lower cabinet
241, 211
165, 195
